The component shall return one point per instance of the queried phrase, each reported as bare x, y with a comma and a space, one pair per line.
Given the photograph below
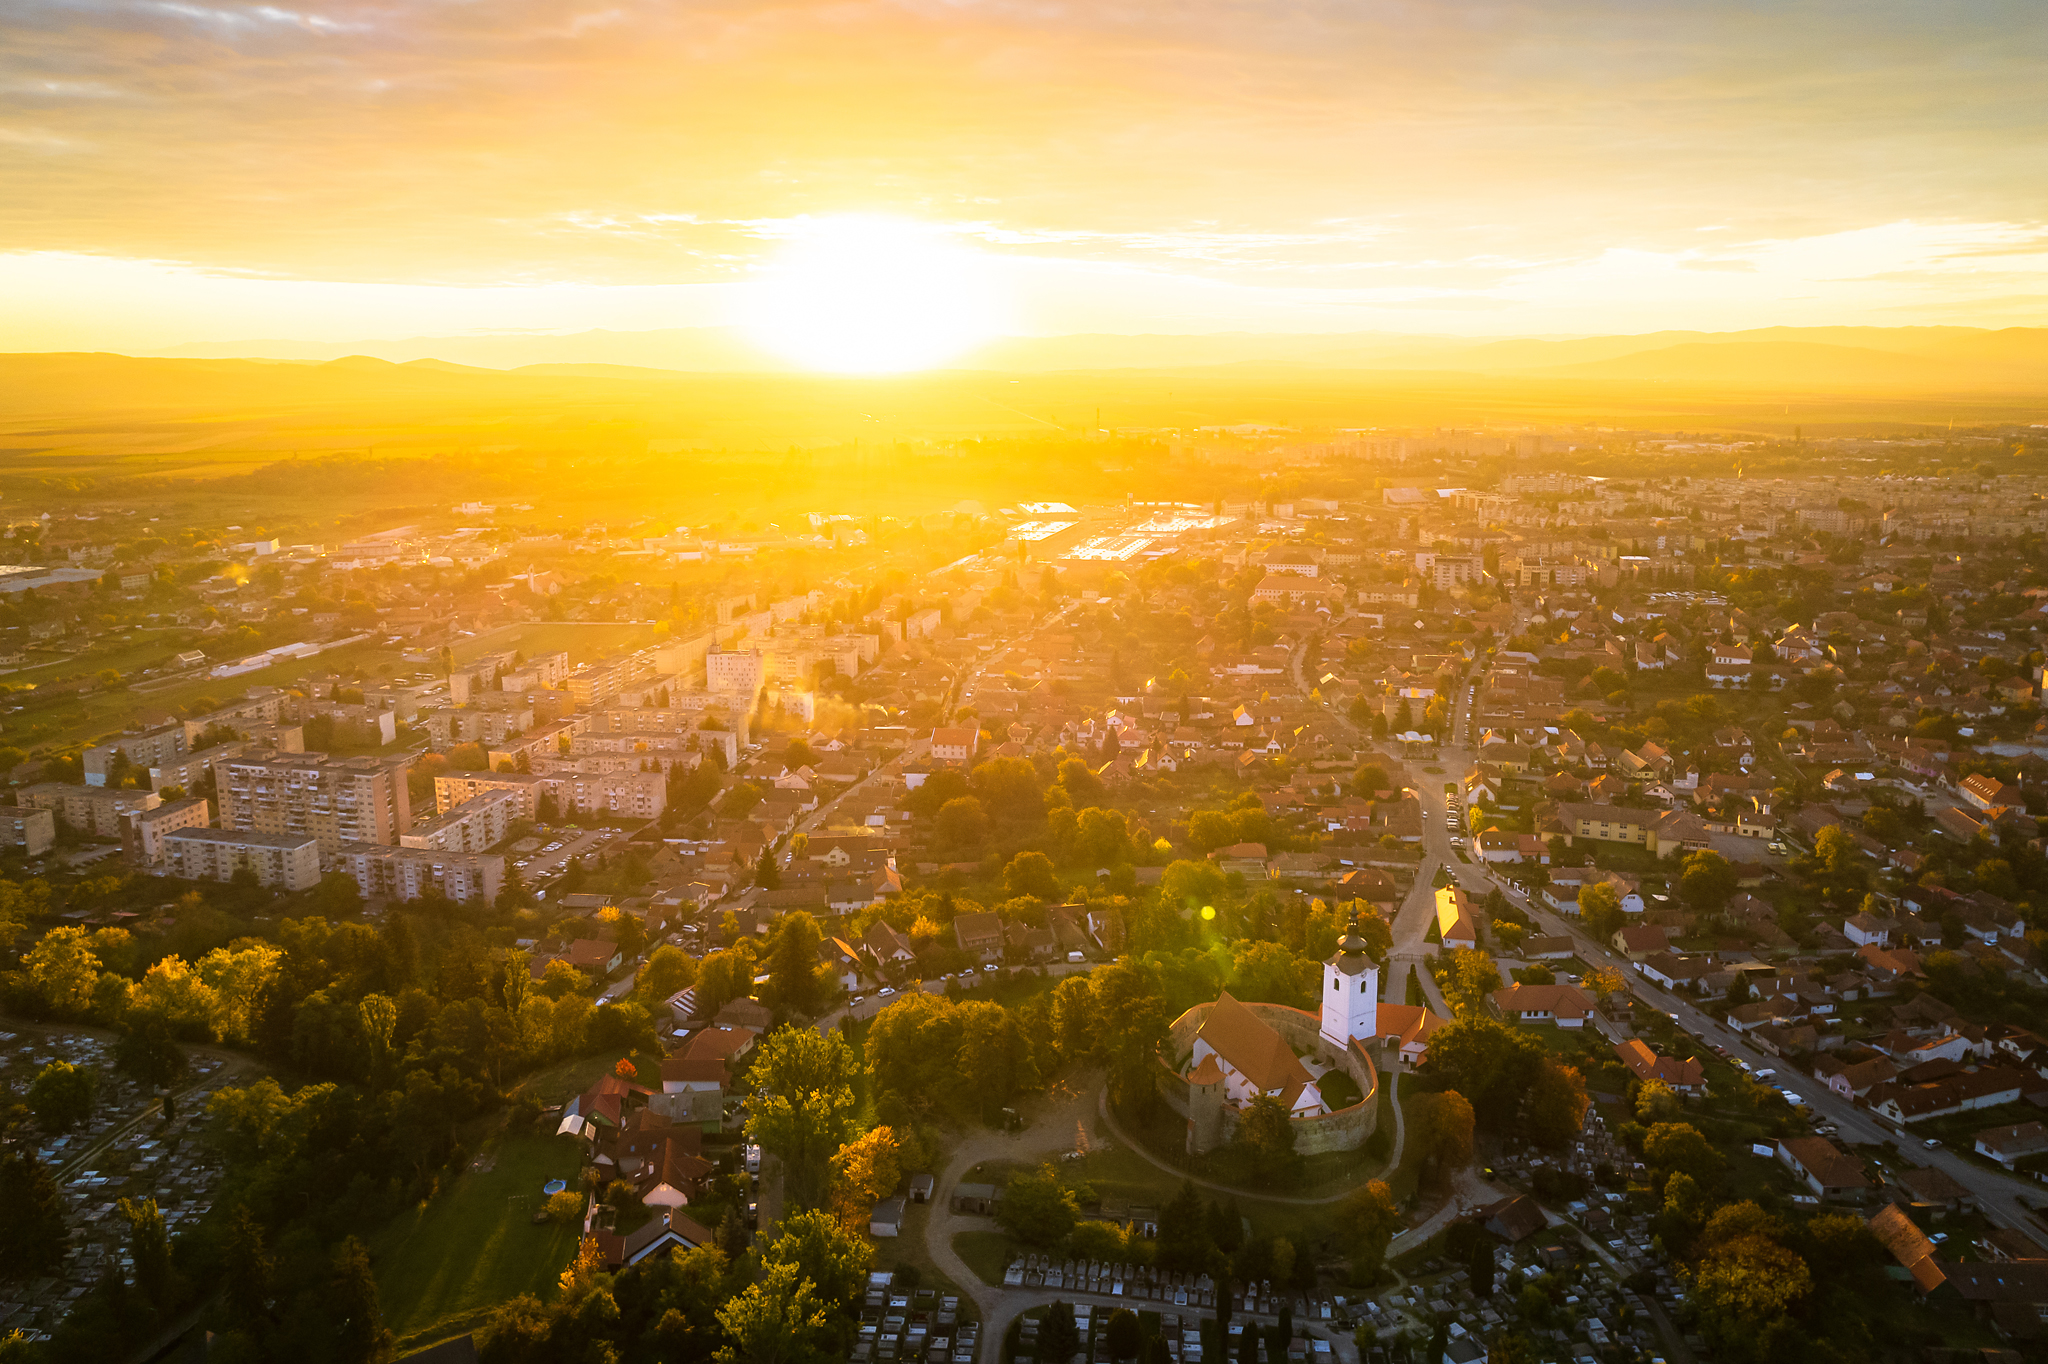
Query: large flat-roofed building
194, 768
410, 873
280, 861
95, 810
151, 748
643, 795
478, 823
336, 800
453, 789
737, 672
33, 831
143, 832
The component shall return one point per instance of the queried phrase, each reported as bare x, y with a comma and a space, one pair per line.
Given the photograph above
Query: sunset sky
185, 170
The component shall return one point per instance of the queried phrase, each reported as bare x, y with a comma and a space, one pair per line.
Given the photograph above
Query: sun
857, 294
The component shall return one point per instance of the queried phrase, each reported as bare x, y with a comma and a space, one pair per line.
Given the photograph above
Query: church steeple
1351, 991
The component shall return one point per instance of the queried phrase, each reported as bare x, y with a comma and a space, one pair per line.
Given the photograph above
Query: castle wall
1344, 1130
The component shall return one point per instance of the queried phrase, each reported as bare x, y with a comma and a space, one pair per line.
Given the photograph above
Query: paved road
2005, 1199
1069, 1116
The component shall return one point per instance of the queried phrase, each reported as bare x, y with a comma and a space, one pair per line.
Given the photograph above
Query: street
2004, 1199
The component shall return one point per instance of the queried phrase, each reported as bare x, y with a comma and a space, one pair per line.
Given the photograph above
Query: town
1417, 894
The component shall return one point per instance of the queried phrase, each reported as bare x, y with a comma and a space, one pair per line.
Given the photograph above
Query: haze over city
892, 682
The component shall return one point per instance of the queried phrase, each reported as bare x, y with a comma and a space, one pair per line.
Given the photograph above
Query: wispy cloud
1493, 152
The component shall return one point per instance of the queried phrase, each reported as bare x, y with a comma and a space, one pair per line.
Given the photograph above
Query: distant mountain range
1945, 359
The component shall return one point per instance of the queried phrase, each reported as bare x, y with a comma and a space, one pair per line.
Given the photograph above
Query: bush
565, 1209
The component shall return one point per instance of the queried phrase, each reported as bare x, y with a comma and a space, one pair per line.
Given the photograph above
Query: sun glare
869, 295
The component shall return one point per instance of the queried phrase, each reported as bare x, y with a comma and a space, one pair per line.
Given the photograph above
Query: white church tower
1351, 992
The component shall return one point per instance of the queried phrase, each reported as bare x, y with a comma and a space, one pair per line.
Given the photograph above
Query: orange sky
187, 170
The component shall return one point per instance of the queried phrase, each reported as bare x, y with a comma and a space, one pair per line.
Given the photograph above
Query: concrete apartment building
152, 748
593, 684
143, 832
33, 831
475, 824
737, 672
95, 810
454, 789
642, 795
335, 800
409, 873
280, 861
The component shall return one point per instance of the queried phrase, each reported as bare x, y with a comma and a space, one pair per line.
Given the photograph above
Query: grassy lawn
442, 1267
566, 1079
986, 1253
908, 1252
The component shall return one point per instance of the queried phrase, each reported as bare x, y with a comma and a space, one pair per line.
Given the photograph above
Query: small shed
921, 1187
887, 1218
974, 1198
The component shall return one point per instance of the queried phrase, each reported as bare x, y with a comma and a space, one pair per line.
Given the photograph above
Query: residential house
2012, 1143
1824, 1167
1565, 1006
1685, 1076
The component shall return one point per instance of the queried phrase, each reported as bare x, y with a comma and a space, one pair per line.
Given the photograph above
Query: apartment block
593, 684
143, 831
455, 789
280, 861
738, 672
33, 831
94, 810
152, 748
410, 873
640, 795
192, 769
475, 824
335, 800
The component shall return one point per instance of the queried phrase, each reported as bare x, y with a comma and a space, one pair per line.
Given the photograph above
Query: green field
442, 1267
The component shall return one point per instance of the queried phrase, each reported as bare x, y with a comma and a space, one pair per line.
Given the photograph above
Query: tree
146, 1052
1657, 1103
61, 971
1441, 1127
149, 1249
1369, 779
669, 969
865, 1171
1678, 1146
1102, 837
1183, 1240
1031, 873
1209, 830
1603, 983
351, 1297
61, 1096
1555, 1110
1706, 881
31, 1217
1367, 1220
1123, 1335
803, 1108
1266, 1134
1037, 1209
831, 1257
962, 823
1493, 1065
1190, 885
1600, 910
793, 963
777, 1320
1057, 1336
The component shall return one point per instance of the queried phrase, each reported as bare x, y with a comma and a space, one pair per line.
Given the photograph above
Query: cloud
1455, 151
